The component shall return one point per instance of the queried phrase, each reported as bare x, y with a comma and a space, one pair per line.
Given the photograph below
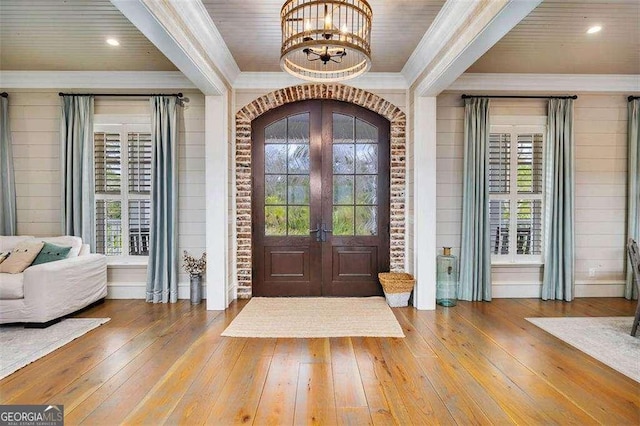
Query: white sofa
43, 293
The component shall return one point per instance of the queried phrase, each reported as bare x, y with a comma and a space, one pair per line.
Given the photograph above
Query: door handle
318, 232
324, 233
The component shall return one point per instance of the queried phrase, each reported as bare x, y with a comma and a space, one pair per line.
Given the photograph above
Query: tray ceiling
553, 39
69, 35
251, 30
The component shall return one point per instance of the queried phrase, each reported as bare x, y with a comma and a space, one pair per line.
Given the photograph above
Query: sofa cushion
9, 243
21, 257
11, 286
66, 240
51, 253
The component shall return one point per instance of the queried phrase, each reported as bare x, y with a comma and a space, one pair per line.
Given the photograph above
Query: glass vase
447, 279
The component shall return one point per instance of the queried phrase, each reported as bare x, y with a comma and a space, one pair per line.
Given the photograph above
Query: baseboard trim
138, 291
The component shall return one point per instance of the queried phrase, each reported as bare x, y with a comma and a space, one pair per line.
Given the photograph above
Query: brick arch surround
337, 92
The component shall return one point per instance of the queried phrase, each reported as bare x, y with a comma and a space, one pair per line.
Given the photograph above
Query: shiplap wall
600, 135
35, 123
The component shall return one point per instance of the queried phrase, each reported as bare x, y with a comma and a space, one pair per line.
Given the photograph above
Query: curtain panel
78, 195
475, 253
162, 281
7, 177
633, 189
558, 277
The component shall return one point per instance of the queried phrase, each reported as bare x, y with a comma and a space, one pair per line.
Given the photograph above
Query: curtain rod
4, 94
630, 98
519, 97
147, 95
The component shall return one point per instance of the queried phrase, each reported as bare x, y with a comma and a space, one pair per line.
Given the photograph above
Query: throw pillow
4, 255
50, 253
21, 257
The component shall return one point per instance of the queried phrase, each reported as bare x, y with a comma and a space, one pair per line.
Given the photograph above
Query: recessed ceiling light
594, 29
113, 42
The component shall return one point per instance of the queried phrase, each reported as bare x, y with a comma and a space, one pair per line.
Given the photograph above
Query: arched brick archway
337, 92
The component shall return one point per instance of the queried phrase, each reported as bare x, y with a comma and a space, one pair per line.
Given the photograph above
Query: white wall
35, 122
600, 134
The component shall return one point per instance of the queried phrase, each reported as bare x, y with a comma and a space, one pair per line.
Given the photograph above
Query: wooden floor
477, 363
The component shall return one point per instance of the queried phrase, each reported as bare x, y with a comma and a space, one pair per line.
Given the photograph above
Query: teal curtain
78, 198
558, 278
475, 253
162, 281
7, 183
633, 188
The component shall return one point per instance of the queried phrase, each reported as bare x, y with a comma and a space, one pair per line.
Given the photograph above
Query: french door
320, 200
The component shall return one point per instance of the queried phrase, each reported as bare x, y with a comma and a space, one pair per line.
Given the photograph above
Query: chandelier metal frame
326, 40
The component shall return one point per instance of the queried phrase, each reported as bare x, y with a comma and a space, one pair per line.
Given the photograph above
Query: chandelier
326, 40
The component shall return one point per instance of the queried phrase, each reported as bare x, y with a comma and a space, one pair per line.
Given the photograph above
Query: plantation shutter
529, 184
108, 162
499, 184
139, 162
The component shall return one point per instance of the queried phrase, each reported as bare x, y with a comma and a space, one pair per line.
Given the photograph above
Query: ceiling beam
278, 80
184, 32
95, 80
461, 33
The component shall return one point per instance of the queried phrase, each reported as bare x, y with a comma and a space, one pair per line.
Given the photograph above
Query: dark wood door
320, 200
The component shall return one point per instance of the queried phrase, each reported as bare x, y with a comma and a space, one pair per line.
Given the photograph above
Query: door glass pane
298, 158
366, 220
343, 159
275, 189
275, 159
299, 220
343, 189
298, 128
343, 220
367, 158
366, 189
365, 132
342, 128
275, 220
298, 190
276, 132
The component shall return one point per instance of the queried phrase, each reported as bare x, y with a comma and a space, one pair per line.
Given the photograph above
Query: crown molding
451, 16
94, 80
487, 24
562, 83
164, 24
278, 80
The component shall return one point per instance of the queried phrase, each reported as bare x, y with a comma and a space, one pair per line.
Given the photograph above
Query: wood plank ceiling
553, 39
252, 30
69, 35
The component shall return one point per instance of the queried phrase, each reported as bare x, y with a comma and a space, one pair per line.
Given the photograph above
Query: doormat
308, 317
607, 339
21, 346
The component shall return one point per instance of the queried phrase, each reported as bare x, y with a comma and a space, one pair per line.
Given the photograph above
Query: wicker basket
396, 282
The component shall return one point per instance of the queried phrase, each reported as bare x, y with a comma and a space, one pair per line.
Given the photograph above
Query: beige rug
607, 339
315, 317
21, 346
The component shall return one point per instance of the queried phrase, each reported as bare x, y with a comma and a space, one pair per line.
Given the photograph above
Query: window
516, 193
122, 158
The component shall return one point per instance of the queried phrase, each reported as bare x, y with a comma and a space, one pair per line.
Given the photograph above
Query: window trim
515, 125
123, 125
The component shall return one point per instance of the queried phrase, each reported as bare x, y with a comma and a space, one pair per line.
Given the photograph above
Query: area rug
315, 317
607, 339
21, 346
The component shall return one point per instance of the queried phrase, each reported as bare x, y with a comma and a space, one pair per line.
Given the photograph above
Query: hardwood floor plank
114, 401
356, 416
385, 403
476, 363
347, 382
315, 402
278, 402
237, 400
420, 398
